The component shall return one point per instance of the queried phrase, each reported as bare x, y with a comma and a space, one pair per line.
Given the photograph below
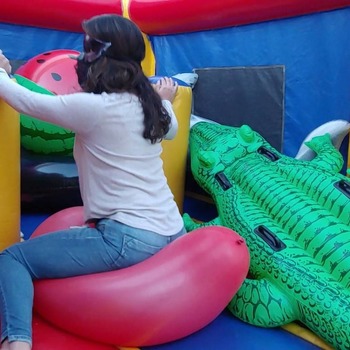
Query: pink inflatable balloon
173, 294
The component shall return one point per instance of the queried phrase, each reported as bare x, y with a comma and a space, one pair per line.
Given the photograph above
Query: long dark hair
119, 70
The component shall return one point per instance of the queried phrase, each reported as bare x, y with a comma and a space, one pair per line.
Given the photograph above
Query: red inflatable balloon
61, 220
47, 337
175, 293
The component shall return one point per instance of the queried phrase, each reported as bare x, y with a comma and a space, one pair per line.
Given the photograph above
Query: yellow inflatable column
9, 176
175, 151
149, 63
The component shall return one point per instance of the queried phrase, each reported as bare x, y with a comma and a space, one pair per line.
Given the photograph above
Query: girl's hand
166, 88
5, 63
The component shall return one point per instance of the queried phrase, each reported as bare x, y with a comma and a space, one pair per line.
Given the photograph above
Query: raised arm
167, 88
78, 112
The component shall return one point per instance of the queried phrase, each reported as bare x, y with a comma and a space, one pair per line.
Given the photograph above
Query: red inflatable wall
55, 14
157, 17
179, 16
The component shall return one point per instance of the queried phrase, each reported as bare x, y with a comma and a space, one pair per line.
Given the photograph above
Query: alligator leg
191, 224
262, 304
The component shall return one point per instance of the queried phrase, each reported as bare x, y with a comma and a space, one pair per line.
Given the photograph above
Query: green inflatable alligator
295, 218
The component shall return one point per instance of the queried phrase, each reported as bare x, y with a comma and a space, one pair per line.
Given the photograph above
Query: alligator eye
207, 159
246, 133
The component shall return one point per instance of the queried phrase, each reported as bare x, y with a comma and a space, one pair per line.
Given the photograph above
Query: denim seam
4, 333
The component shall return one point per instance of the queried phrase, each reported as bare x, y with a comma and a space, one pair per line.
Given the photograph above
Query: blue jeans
72, 252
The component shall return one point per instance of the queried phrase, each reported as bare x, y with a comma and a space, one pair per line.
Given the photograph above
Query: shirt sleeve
78, 112
173, 124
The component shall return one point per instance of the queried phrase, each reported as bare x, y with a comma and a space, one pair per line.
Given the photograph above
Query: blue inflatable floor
228, 333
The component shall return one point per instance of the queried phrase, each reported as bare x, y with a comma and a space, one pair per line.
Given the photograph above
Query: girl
119, 119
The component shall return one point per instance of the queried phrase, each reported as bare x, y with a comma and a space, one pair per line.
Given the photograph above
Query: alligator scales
295, 218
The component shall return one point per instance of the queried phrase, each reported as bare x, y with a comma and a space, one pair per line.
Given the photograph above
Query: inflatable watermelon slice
39, 136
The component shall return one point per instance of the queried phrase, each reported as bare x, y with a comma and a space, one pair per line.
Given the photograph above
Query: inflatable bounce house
257, 79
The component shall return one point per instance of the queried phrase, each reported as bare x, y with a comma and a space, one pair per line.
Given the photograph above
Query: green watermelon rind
39, 136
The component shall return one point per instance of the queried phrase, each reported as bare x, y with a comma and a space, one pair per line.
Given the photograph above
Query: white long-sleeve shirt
120, 172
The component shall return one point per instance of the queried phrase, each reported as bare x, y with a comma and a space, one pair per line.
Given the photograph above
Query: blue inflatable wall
315, 50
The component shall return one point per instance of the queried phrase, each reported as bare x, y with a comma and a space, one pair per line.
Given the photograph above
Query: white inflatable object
197, 119
188, 78
338, 129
